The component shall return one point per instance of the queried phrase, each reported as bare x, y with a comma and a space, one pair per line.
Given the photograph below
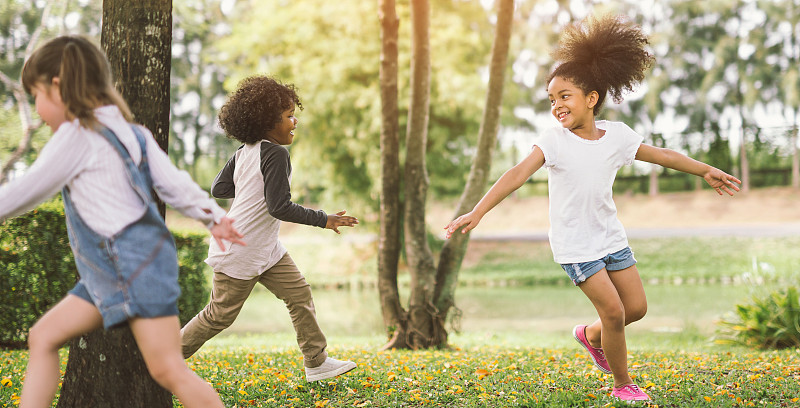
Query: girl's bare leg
159, 341
70, 317
601, 291
631, 292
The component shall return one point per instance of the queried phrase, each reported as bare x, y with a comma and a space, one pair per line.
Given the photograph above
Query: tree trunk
105, 368
652, 190
453, 251
795, 159
421, 311
394, 316
744, 165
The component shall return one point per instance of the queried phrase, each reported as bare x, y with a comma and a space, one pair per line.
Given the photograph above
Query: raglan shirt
583, 217
257, 177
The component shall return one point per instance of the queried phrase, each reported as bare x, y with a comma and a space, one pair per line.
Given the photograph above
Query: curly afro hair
606, 55
255, 108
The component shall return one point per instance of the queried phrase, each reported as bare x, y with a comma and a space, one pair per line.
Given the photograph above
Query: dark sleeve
276, 169
223, 186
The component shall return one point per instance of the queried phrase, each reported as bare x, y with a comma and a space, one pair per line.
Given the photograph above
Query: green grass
502, 365
666, 260
267, 372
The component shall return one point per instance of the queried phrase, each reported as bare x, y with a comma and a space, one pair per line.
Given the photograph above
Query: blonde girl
582, 156
105, 168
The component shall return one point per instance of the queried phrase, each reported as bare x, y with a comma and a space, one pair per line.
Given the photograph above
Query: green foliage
192, 250
768, 322
39, 270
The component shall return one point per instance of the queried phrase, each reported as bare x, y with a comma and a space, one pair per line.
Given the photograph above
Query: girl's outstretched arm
716, 178
511, 180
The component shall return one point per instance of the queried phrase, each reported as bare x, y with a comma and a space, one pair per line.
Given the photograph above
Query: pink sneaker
630, 392
599, 358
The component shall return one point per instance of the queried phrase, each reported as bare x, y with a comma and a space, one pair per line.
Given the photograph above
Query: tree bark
421, 311
394, 316
453, 251
795, 158
105, 368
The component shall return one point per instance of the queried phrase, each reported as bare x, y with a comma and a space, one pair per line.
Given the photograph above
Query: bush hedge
39, 270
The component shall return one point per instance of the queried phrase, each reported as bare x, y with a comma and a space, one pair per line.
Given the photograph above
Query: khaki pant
228, 294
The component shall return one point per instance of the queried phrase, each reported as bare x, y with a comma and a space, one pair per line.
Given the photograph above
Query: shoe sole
339, 371
575, 335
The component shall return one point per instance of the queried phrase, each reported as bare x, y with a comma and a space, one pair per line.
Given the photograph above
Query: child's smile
283, 133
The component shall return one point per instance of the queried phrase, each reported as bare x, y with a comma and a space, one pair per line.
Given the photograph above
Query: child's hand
719, 180
224, 230
469, 220
340, 220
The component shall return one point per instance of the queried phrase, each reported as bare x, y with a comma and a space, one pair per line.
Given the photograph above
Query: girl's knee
167, 373
613, 317
40, 338
636, 313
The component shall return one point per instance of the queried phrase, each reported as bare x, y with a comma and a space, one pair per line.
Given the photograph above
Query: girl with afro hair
595, 58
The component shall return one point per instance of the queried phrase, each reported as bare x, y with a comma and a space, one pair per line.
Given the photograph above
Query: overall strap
139, 176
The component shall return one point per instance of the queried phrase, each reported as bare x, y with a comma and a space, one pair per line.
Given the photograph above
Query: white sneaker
330, 368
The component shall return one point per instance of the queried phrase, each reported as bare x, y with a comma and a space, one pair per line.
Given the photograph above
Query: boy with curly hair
260, 114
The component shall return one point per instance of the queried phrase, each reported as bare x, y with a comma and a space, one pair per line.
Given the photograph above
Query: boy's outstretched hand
469, 220
721, 181
340, 220
224, 230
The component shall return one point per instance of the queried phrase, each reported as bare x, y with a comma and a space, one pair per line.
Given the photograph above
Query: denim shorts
617, 261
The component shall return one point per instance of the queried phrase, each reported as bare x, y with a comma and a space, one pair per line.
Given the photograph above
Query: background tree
390, 216
197, 89
22, 26
420, 330
105, 368
453, 251
432, 288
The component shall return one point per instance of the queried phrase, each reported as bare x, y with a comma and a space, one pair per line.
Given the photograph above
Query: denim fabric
135, 272
617, 261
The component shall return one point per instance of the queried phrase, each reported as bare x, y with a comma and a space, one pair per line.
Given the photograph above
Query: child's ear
591, 99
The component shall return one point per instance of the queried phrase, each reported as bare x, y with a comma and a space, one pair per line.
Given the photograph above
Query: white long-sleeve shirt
89, 165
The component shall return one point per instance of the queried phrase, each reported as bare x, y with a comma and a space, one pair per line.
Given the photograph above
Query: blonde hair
84, 74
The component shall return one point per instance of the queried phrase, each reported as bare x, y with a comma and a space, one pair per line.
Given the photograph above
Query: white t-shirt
583, 218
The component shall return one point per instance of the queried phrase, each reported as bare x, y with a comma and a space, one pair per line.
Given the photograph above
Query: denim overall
135, 272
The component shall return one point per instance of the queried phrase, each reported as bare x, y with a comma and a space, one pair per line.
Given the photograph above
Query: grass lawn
266, 371
491, 365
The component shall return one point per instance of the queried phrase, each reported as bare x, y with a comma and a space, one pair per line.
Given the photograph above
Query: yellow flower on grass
481, 373
320, 404
6, 382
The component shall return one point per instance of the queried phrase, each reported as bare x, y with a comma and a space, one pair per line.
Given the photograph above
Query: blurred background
725, 89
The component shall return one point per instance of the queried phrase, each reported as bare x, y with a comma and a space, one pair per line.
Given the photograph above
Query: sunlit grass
268, 373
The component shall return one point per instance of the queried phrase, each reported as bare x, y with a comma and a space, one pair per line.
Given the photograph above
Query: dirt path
761, 212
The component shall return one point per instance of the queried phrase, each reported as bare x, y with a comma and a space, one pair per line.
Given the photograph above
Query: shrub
39, 270
772, 321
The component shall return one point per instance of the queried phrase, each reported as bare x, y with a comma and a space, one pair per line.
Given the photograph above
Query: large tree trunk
394, 316
105, 369
453, 251
421, 311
